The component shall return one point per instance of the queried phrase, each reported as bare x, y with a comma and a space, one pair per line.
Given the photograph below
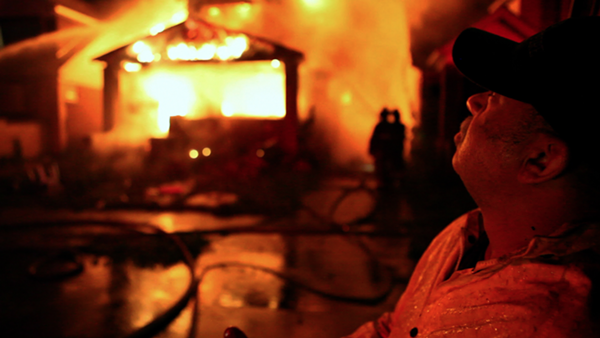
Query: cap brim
488, 60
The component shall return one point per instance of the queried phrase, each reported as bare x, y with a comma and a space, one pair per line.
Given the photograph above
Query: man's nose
477, 103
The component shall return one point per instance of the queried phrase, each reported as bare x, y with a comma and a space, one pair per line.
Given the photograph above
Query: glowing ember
223, 53
140, 47
185, 52
260, 153
145, 57
206, 152
181, 52
206, 52
275, 63
232, 48
132, 66
194, 154
238, 45
143, 51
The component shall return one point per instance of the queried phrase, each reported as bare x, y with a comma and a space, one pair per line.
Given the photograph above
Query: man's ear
546, 158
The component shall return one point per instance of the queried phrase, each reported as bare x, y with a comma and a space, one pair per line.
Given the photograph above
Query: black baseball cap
556, 70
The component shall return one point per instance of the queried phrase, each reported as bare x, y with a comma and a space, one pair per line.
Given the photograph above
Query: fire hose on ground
73, 265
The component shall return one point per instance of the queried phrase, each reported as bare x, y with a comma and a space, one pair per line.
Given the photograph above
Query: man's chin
456, 165
455, 162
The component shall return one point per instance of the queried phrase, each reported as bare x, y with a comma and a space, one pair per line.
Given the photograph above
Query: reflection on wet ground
86, 280
256, 281
296, 276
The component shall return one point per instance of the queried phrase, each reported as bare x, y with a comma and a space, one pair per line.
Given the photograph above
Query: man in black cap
527, 262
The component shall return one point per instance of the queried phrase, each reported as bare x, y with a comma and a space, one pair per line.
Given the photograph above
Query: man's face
490, 143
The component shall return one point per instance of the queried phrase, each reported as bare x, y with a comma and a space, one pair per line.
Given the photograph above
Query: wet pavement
319, 272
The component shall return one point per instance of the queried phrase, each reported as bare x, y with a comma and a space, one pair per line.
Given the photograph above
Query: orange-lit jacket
543, 290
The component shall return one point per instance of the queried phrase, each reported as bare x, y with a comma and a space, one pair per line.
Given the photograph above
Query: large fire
357, 60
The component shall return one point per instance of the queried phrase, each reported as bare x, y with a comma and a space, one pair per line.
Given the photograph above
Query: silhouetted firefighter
386, 146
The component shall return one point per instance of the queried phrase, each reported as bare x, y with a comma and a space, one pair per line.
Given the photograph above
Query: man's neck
513, 228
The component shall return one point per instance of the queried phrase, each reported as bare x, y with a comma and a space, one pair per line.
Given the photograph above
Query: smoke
128, 23
357, 60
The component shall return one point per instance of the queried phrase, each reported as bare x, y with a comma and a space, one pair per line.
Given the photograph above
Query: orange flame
229, 48
143, 51
258, 95
175, 96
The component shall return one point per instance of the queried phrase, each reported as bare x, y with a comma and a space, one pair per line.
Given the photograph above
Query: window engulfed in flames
252, 89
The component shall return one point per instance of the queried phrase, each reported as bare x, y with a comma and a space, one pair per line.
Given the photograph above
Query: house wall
43, 101
20, 139
13, 98
33, 100
84, 111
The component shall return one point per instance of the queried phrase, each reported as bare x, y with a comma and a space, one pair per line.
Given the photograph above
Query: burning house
196, 90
